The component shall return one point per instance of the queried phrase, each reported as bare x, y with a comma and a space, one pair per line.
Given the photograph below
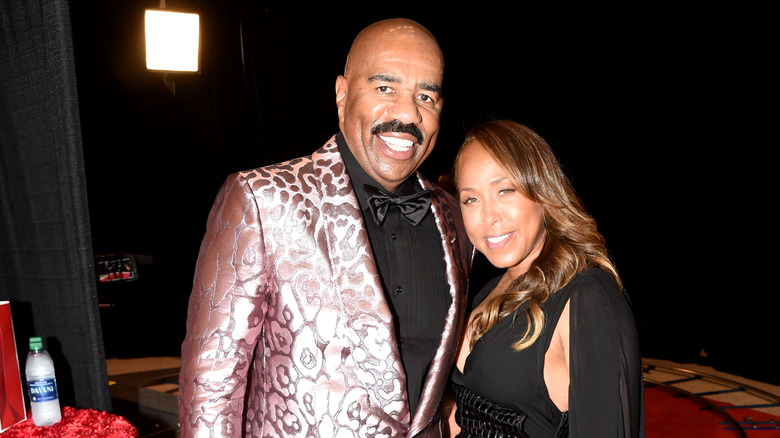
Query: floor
143, 391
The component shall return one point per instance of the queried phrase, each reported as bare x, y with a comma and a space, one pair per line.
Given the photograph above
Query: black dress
606, 395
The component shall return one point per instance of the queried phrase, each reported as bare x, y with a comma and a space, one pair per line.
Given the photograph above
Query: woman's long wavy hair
573, 241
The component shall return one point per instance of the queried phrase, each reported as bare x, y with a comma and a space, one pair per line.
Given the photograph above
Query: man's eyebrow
435, 88
383, 77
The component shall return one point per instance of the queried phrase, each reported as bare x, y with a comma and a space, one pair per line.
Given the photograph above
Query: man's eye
384, 89
428, 99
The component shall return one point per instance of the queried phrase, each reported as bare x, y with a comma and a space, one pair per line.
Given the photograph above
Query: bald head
398, 30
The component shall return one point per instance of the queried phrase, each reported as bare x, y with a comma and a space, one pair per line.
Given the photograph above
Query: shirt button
394, 236
401, 340
399, 289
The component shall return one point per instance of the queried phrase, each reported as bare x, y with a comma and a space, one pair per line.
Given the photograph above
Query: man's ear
341, 94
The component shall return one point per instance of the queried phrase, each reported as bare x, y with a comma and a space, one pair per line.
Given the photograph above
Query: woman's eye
505, 191
467, 201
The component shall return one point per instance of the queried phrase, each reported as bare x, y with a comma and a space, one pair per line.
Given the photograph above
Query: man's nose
406, 110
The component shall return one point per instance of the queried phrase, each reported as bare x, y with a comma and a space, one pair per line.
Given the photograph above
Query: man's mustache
397, 126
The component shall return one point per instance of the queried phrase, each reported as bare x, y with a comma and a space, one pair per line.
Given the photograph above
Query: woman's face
502, 223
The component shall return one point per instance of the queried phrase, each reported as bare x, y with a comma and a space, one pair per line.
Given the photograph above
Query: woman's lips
498, 242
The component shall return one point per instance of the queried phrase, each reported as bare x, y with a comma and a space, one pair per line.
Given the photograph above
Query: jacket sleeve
224, 316
606, 393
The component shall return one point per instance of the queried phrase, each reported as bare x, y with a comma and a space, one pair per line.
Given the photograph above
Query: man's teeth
397, 144
497, 239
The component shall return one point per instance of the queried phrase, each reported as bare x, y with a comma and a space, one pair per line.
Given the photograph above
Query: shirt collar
360, 177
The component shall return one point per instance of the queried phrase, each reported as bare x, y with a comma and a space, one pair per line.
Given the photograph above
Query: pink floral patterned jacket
288, 331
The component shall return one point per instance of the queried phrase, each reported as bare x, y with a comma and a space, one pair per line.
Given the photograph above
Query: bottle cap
36, 343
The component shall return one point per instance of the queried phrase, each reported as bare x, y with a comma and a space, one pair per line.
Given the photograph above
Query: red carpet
667, 416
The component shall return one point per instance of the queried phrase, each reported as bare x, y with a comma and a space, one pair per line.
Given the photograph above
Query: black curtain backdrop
46, 259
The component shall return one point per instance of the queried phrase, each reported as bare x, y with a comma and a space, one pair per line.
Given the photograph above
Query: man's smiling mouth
397, 144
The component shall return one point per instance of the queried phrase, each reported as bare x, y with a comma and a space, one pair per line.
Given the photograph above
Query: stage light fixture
172, 40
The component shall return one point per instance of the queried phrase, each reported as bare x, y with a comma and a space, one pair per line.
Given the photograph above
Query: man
310, 314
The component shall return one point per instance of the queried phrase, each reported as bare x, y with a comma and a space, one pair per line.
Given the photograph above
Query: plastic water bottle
42, 384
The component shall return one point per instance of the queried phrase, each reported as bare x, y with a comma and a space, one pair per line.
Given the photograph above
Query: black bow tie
412, 207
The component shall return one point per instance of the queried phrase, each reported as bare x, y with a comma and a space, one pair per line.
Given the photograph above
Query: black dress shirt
410, 260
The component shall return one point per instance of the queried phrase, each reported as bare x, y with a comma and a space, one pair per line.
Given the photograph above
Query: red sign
12, 408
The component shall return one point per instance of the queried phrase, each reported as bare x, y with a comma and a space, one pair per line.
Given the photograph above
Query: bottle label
43, 390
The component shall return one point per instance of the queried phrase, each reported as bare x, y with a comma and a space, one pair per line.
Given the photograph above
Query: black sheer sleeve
606, 394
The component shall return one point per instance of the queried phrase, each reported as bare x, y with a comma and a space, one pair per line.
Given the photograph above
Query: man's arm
224, 316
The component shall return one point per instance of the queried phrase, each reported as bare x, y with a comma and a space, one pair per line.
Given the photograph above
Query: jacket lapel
456, 253
358, 292
357, 289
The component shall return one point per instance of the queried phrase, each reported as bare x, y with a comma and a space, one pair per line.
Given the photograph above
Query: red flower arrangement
76, 423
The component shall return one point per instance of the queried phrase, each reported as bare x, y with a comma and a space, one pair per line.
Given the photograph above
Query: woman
551, 348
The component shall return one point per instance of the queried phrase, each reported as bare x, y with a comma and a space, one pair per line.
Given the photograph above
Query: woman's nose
491, 214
